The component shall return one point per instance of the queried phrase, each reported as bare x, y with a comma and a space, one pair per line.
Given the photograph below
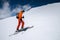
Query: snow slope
46, 22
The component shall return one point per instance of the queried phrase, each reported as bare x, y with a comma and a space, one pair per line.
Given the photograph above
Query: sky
9, 8
33, 3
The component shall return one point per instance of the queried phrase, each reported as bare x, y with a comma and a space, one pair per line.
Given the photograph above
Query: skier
20, 21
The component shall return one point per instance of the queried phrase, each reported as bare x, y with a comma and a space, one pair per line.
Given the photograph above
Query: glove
17, 17
23, 17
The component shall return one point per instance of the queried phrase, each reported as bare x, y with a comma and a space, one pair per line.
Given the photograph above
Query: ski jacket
19, 15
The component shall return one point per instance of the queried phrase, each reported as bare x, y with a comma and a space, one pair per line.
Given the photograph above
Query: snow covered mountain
45, 19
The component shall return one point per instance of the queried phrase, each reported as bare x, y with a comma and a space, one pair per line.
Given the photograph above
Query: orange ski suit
20, 20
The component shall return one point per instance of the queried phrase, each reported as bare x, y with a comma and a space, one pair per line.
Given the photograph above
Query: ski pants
20, 21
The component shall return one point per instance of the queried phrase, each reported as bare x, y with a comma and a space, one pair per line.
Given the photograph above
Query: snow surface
45, 19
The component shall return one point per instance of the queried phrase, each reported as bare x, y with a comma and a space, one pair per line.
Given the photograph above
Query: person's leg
22, 24
19, 23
